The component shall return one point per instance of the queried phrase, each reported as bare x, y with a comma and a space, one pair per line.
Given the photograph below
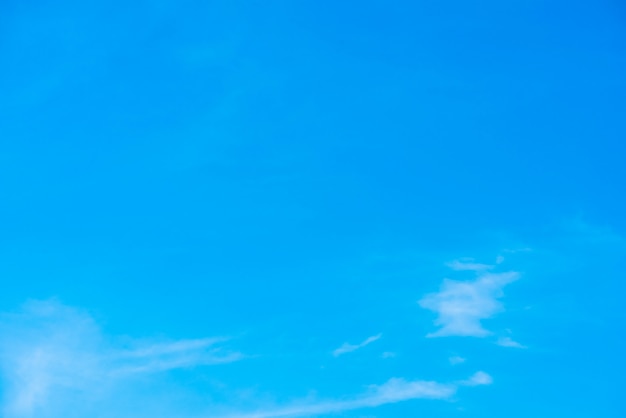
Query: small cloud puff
461, 305
478, 379
508, 342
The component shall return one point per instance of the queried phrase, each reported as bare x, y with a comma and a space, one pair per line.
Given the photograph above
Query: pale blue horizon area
367, 209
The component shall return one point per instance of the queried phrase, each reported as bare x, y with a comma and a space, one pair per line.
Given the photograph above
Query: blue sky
253, 209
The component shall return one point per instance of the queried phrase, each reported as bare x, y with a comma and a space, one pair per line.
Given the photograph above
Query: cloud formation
461, 305
509, 342
393, 391
50, 353
56, 362
477, 379
160, 357
468, 264
348, 348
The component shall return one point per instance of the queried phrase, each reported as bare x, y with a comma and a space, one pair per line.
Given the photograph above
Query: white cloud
56, 362
51, 353
508, 342
461, 305
468, 264
454, 360
477, 379
393, 391
348, 348
158, 357
388, 354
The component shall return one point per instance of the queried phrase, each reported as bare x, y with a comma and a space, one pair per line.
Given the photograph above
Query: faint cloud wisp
348, 348
393, 391
51, 353
454, 360
468, 264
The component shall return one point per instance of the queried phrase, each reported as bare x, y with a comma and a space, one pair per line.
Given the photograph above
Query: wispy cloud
348, 348
55, 361
158, 357
393, 391
509, 342
49, 351
468, 264
461, 305
454, 360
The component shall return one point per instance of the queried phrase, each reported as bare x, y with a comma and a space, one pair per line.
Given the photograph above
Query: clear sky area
312, 208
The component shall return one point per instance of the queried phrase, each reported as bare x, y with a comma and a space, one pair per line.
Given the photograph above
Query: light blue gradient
293, 177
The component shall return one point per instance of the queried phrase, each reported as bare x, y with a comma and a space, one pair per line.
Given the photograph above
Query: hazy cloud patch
461, 305
454, 360
509, 342
51, 354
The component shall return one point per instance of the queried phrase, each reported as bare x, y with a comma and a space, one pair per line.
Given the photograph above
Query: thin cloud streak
160, 357
157, 349
348, 348
393, 391
180, 362
468, 264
